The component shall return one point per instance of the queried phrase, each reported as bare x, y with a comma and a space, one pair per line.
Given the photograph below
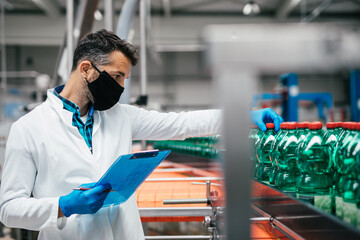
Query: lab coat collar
66, 116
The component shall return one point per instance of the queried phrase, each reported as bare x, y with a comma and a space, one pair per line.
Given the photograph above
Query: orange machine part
151, 195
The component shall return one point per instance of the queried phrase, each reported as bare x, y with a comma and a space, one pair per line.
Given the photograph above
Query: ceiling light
251, 8
98, 15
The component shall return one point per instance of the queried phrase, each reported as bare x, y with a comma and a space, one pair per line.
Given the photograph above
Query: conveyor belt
151, 194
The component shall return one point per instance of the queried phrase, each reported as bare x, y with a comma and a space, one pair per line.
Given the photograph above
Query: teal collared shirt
86, 128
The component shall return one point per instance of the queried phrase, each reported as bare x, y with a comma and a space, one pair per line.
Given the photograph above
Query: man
72, 139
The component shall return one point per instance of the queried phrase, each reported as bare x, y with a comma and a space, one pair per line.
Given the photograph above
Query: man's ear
85, 69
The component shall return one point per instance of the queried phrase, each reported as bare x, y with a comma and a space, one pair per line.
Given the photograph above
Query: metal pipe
204, 183
123, 29
167, 8
208, 186
69, 35
260, 219
175, 170
184, 179
3, 62
109, 15
125, 18
176, 212
143, 69
303, 9
178, 237
316, 12
185, 201
20, 74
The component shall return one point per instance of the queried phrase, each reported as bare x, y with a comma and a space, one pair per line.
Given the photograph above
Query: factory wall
177, 79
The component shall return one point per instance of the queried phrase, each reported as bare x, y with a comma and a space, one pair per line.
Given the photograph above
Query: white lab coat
46, 157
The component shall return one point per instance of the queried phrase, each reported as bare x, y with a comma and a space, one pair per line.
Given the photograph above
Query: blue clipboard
128, 172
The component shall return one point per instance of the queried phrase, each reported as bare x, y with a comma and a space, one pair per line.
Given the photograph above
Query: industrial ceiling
279, 9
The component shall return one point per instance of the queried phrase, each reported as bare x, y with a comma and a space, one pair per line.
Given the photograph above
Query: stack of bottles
314, 164
207, 147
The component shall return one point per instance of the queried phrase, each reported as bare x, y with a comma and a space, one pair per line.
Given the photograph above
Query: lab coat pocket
95, 226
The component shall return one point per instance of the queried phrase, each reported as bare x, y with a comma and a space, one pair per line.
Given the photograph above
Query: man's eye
116, 77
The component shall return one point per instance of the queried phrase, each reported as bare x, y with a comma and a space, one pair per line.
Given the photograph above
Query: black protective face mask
105, 91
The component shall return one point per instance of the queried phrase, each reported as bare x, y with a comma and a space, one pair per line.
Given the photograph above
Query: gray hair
97, 47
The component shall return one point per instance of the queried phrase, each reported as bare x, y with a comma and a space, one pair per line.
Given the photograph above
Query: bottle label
349, 213
306, 198
358, 218
322, 202
339, 206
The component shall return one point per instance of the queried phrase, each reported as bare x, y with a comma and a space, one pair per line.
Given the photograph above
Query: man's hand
266, 115
83, 201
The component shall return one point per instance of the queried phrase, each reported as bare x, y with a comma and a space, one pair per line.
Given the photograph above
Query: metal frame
178, 237
184, 179
176, 212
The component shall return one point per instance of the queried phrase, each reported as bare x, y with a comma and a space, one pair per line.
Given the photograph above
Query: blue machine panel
290, 99
355, 95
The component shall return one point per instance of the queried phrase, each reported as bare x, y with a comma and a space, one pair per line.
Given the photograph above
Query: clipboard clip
145, 154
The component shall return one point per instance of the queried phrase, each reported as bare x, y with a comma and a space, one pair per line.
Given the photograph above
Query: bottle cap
331, 125
352, 125
339, 124
315, 125
347, 125
283, 125
303, 125
270, 125
358, 126
292, 125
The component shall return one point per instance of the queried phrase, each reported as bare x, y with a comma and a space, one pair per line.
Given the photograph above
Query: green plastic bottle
314, 182
331, 138
351, 185
274, 168
345, 131
254, 139
344, 163
356, 153
303, 130
286, 160
339, 127
263, 151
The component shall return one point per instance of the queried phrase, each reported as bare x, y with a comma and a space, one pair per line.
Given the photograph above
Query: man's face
119, 67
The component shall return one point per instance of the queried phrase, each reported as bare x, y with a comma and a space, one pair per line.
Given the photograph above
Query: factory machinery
194, 191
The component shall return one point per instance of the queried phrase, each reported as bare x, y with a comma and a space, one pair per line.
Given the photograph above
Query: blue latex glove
266, 115
83, 201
